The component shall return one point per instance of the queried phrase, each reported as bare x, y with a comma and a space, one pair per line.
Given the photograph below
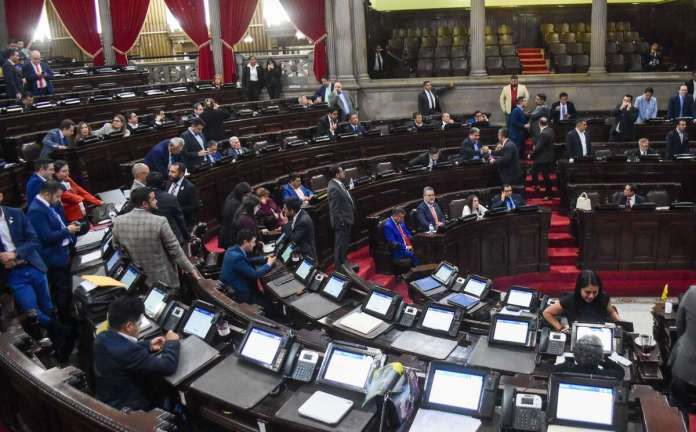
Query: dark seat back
318, 182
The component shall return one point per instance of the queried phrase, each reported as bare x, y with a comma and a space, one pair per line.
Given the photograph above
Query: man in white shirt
252, 79
563, 109
630, 198
578, 142
38, 75
341, 99
429, 99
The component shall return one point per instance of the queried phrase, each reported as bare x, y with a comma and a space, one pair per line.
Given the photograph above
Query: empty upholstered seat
460, 66
512, 65
455, 207
612, 36
426, 53
505, 39
494, 65
504, 29
581, 63
574, 48
508, 50
444, 41
427, 42
414, 32
442, 52
612, 47
616, 63
426, 32
619, 26
580, 27
563, 28
458, 51
627, 48
352, 173
424, 67
457, 31
492, 50
635, 36
643, 47
443, 67
557, 48
563, 63
460, 41
635, 63
318, 182
489, 30
586, 37
547, 28
443, 31
659, 197
491, 40
567, 37
412, 43
403, 33
611, 27
552, 38
31, 151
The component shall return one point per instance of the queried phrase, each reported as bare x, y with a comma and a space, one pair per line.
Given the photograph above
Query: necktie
407, 241
431, 100
434, 214
42, 82
343, 104
681, 106
563, 111
510, 204
57, 216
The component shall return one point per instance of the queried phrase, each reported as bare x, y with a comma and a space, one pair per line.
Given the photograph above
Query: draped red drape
235, 16
22, 19
80, 20
308, 17
191, 17
127, 19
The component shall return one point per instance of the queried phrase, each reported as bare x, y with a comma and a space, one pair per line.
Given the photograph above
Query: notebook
361, 322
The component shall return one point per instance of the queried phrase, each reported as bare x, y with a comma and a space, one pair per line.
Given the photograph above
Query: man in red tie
38, 75
428, 213
399, 237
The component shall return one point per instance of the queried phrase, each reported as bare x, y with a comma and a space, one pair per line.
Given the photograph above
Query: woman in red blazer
74, 197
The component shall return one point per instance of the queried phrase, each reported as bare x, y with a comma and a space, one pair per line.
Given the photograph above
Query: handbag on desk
399, 407
583, 202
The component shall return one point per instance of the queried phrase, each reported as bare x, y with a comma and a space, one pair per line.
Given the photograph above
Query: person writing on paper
587, 304
122, 364
588, 358
473, 206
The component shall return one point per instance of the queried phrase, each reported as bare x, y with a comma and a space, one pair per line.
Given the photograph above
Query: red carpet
533, 61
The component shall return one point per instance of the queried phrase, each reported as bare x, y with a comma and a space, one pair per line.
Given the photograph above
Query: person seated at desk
117, 125
479, 119
236, 150
429, 215
27, 102
328, 123
677, 141
588, 359
163, 154
472, 149
354, 126
295, 188
57, 139
214, 154
578, 142
132, 122
43, 171
159, 118
642, 150
446, 120
681, 104
123, 366
563, 109
473, 206
83, 131
240, 273
417, 123
74, 196
304, 101
218, 82
398, 235
300, 228
682, 358
268, 214
428, 159
507, 199
587, 304
630, 197
245, 218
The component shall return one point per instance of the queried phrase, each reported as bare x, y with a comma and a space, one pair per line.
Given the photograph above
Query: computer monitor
454, 388
585, 402
304, 270
382, 304
335, 286
264, 346
476, 286
348, 367
602, 331
524, 298
440, 318
155, 302
200, 320
111, 264
130, 277
512, 330
286, 254
444, 273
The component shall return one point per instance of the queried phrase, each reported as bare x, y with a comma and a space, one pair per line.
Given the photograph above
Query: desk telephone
521, 412
408, 317
551, 342
173, 316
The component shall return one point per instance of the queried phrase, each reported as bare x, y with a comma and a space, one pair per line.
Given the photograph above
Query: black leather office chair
318, 183
382, 253
659, 197
456, 207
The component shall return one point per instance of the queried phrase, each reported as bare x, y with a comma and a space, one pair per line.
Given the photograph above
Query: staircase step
528, 50
563, 255
562, 239
563, 269
546, 72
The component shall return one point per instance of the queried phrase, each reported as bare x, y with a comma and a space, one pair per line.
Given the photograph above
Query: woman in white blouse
118, 124
473, 206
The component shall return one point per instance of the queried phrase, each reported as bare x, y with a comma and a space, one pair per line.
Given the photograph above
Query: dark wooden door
527, 31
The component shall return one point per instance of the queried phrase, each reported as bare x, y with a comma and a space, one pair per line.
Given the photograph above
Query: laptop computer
439, 281
604, 332
472, 291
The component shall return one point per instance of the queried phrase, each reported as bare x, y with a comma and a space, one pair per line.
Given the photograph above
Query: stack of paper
361, 322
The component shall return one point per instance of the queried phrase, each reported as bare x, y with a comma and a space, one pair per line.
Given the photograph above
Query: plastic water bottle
431, 228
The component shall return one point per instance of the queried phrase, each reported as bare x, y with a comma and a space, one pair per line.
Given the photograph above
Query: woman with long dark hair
273, 75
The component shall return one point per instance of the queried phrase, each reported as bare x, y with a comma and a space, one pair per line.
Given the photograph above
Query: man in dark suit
578, 141
428, 159
56, 237
38, 75
236, 150
677, 141
428, 213
354, 126
341, 214
544, 157
681, 104
507, 159
518, 126
195, 152
13, 79
471, 148
328, 123
228, 229
300, 228
168, 206
57, 139
163, 154
429, 99
625, 115
240, 272
630, 197
507, 199
323, 92
213, 117
691, 84
184, 191
43, 171
398, 235
252, 79
643, 149
123, 366
563, 110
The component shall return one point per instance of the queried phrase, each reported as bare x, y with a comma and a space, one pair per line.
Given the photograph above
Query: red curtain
308, 17
191, 17
127, 19
79, 17
235, 16
22, 19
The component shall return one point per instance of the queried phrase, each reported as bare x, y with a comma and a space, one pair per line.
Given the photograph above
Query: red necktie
42, 82
432, 211
404, 237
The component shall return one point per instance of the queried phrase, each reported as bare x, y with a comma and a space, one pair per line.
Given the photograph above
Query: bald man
139, 172
38, 75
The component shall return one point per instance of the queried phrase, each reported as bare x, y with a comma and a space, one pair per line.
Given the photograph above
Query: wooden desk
599, 132
637, 240
122, 79
499, 246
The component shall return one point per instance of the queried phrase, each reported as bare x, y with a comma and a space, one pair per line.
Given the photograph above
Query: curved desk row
598, 130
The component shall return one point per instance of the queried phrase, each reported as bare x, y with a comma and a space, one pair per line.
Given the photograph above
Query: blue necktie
510, 204
681, 106
57, 216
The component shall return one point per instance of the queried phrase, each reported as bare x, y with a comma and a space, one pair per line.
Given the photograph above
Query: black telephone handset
173, 316
408, 316
300, 365
315, 281
291, 358
488, 398
508, 408
458, 284
552, 343
521, 412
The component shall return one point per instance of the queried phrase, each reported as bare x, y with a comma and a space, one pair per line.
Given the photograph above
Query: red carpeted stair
533, 61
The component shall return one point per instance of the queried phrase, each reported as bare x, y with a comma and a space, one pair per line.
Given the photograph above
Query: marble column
215, 34
343, 38
4, 37
598, 46
107, 35
330, 35
477, 31
359, 40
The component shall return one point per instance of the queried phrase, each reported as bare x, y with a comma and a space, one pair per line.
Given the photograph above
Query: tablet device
111, 264
511, 330
441, 319
602, 331
335, 286
304, 270
570, 397
200, 320
130, 277
445, 273
464, 301
427, 283
348, 366
454, 388
382, 304
286, 254
155, 302
476, 286
325, 408
265, 346
523, 298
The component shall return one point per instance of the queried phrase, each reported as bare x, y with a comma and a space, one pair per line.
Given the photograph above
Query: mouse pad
503, 359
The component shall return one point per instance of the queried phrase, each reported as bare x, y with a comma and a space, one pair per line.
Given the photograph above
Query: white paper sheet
441, 421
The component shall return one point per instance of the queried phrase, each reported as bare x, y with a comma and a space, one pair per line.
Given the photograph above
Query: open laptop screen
511, 331
521, 298
574, 399
459, 390
605, 335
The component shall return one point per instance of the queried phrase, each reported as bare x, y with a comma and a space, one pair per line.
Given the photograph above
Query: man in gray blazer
341, 214
341, 99
149, 242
